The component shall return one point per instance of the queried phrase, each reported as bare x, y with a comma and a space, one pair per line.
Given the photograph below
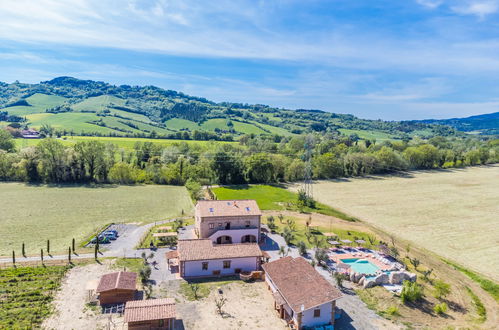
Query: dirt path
71, 311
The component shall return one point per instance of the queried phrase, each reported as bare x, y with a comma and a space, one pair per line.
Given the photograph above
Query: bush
442, 289
302, 248
411, 292
440, 308
392, 310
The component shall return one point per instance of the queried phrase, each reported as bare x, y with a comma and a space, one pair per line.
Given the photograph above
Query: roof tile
227, 208
149, 310
204, 249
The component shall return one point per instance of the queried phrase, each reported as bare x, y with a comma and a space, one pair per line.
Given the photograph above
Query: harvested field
453, 213
34, 214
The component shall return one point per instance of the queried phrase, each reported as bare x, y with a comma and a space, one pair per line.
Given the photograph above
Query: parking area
126, 232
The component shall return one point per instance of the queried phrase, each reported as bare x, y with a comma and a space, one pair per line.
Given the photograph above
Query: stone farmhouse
228, 221
302, 296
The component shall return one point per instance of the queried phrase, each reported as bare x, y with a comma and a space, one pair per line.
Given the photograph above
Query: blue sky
398, 59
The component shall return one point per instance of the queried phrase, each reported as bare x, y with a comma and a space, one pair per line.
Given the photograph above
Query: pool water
361, 266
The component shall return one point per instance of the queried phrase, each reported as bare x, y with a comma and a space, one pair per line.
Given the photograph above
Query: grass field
26, 293
122, 142
33, 214
273, 198
371, 135
451, 213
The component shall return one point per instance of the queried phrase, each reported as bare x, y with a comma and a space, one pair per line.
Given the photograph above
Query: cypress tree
69, 254
14, 257
48, 246
23, 251
41, 254
73, 245
95, 252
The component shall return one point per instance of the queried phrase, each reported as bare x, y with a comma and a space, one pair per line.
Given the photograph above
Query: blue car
102, 240
115, 232
109, 234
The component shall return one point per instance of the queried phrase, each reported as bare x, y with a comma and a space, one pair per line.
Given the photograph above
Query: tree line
254, 159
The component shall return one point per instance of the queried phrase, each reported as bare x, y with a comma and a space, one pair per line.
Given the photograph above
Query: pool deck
336, 257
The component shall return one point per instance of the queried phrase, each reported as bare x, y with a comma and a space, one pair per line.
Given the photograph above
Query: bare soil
71, 311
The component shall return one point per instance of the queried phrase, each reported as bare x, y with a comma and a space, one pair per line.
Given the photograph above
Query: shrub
442, 289
440, 308
321, 256
411, 292
392, 310
302, 248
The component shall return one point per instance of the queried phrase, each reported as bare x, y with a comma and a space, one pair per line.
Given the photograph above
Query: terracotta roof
299, 283
172, 254
204, 249
148, 310
227, 208
118, 280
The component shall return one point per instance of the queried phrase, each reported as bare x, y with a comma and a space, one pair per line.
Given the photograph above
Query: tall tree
92, 154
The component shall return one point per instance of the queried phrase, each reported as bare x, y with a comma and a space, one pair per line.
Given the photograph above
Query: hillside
85, 107
481, 124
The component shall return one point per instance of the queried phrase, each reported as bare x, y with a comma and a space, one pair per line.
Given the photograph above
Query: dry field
453, 213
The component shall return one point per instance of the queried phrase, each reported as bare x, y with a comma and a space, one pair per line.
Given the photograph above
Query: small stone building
150, 314
117, 288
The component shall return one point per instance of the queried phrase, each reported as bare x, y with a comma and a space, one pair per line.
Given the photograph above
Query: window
248, 209
248, 223
226, 264
212, 225
161, 323
317, 313
219, 224
211, 209
204, 266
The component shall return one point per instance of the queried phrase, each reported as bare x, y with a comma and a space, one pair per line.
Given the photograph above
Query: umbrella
346, 241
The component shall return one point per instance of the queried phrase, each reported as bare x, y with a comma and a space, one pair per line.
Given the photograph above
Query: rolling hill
86, 107
482, 124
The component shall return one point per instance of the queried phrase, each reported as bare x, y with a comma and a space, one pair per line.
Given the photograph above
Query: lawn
370, 135
26, 294
273, 198
33, 214
122, 142
452, 213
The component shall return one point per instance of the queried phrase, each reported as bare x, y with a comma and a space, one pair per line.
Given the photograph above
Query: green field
180, 124
33, 214
273, 198
98, 103
370, 135
122, 142
26, 295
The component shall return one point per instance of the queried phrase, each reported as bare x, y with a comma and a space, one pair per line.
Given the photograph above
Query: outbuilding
117, 288
150, 314
303, 297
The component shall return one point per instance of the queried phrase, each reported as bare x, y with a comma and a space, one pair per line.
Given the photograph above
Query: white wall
236, 234
309, 320
194, 268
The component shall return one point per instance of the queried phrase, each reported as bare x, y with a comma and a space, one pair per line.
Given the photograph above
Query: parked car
111, 235
115, 232
102, 240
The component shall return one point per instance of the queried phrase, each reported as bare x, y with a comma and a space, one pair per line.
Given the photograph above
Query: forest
254, 159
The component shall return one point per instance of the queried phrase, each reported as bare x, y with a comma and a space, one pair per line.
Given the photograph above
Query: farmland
451, 213
26, 295
33, 214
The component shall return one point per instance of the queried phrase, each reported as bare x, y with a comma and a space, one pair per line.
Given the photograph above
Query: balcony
235, 235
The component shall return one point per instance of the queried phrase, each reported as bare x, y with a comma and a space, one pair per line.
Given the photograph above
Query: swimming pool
361, 266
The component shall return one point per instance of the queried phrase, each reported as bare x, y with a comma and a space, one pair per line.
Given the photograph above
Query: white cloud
432, 4
480, 8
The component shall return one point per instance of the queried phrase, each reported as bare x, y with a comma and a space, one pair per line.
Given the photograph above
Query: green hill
85, 107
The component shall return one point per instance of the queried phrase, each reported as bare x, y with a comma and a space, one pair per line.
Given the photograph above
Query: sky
376, 59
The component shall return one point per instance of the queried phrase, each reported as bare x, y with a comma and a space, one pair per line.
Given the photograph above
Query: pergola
170, 234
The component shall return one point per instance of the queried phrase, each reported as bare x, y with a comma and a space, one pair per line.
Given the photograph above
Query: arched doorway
224, 240
248, 239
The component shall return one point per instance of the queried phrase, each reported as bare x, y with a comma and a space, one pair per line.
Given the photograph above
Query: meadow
452, 213
34, 213
121, 142
274, 198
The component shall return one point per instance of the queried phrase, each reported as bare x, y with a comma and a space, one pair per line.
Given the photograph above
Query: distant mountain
487, 124
86, 107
